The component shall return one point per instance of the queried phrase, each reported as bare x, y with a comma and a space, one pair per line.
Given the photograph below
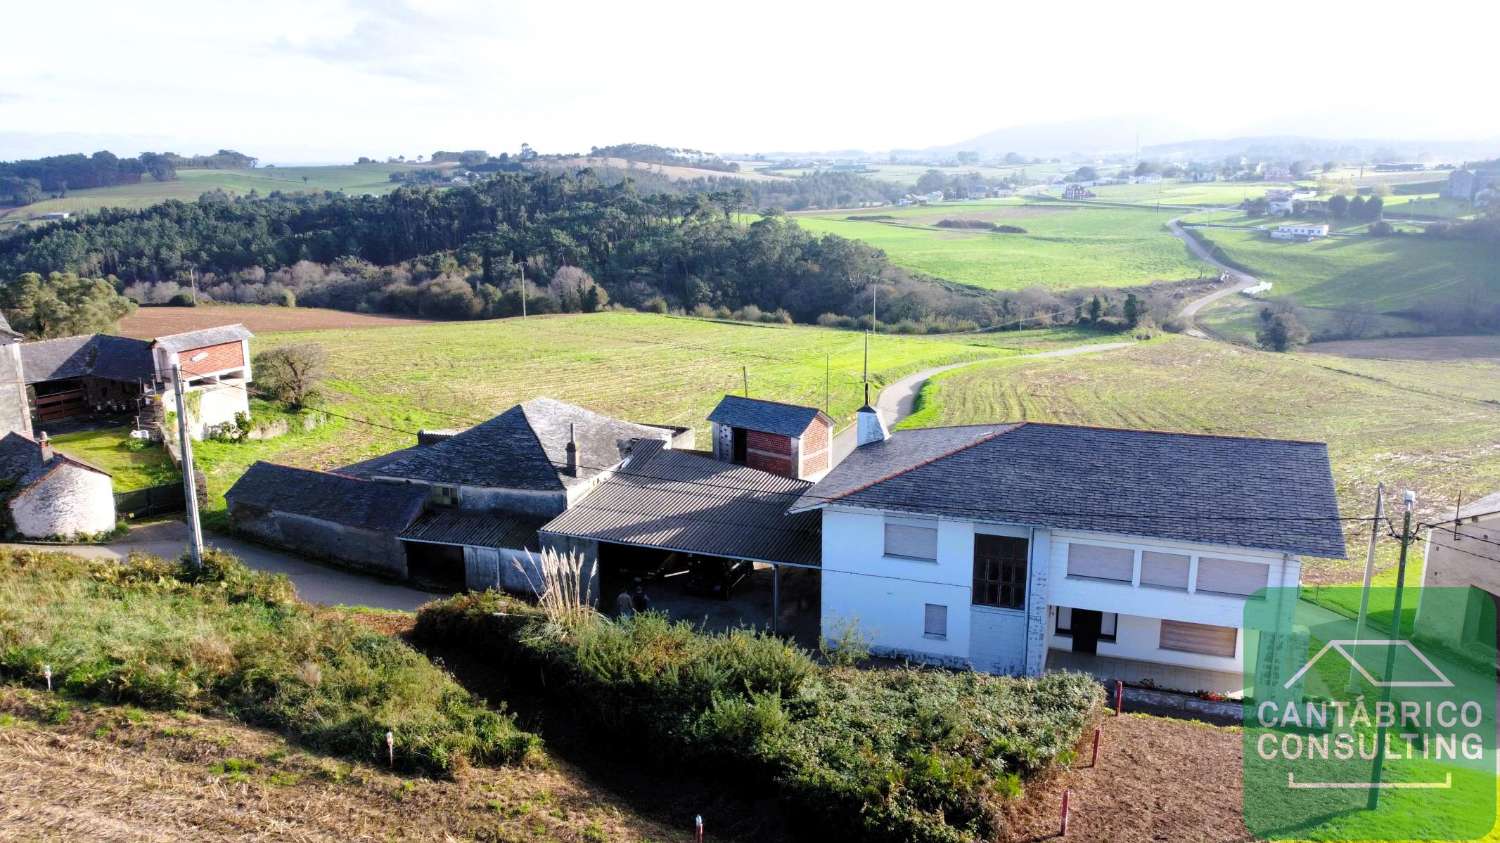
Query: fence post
1063, 832
1094, 762
1119, 697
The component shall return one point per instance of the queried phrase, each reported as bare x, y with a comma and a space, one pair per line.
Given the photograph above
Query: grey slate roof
21, 462
97, 355
367, 504
764, 416
1255, 493
524, 447
476, 529
676, 500
203, 337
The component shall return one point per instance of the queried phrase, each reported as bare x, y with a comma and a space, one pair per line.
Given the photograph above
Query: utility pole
523, 291
189, 482
745, 373
1410, 502
866, 377
1364, 599
193, 280
874, 299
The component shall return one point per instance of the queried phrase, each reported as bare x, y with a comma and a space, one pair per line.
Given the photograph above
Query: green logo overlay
1368, 731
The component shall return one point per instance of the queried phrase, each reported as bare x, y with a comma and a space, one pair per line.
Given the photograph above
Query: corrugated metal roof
764, 416
681, 501
475, 529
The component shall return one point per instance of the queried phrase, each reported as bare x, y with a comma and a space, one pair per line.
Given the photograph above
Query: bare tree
1355, 321
292, 373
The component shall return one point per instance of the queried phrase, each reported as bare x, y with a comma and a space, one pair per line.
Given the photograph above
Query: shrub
227, 640
889, 755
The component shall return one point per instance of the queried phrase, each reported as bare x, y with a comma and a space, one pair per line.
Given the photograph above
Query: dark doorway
1086, 627
436, 566
740, 445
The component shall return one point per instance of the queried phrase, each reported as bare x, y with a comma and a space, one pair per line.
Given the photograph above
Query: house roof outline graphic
1339, 644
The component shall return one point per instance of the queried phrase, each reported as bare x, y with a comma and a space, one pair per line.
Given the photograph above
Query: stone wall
67, 501
15, 410
367, 549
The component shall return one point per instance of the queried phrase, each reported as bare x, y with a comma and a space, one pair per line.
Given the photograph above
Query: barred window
1000, 571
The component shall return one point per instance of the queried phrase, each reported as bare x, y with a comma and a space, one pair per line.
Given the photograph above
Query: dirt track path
899, 399
1238, 280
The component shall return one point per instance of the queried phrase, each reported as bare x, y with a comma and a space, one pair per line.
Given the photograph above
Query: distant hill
1071, 138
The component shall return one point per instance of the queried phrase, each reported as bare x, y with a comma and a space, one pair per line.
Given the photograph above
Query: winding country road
899, 399
1241, 280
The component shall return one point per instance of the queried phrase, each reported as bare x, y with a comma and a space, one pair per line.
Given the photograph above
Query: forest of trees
579, 243
653, 154
224, 159
27, 181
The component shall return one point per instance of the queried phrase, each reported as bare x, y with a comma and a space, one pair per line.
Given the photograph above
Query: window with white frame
1165, 570
935, 621
1200, 638
1109, 623
1098, 562
911, 538
1231, 576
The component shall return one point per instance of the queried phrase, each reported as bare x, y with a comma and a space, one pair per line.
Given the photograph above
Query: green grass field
190, 184
643, 367
1065, 246
1389, 274
1419, 425
1184, 194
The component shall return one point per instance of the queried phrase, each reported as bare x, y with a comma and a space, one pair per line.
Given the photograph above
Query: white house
50, 494
1012, 548
1300, 231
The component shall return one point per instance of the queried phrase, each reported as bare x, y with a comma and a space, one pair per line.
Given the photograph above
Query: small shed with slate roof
785, 439
49, 494
334, 516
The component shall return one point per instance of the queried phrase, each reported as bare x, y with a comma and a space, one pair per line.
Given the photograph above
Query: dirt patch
114, 773
1157, 779
150, 322
1415, 348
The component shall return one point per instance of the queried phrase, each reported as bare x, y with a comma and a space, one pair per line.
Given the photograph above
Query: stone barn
50, 494
326, 515
785, 439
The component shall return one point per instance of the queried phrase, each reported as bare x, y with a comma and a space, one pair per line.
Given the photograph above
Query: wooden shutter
1231, 576
1198, 638
911, 538
1164, 570
1099, 562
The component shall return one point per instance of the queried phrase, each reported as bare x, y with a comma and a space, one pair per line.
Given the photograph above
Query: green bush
224, 639
897, 755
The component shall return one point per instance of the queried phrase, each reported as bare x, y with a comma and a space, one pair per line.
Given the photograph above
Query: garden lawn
1430, 426
131, 463
1065, 246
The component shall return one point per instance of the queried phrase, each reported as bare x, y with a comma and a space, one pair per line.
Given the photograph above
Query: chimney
572, 466
45, 445
869, 427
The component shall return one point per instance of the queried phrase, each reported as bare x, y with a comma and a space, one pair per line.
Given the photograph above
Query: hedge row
895, 755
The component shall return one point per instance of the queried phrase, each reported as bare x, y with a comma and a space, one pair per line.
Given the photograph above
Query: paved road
897, 400
316, 583
1238, 280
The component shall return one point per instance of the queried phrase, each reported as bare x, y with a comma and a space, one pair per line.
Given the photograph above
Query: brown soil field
1414, 348
108, 773
1158, 779
149, 322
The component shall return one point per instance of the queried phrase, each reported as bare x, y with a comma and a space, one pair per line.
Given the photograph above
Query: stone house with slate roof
49, 494
1012, 548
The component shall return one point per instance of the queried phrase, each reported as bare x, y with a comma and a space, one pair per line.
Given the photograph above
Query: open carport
673, 519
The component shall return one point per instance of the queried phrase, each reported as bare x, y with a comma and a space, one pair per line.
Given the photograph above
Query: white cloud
333, 79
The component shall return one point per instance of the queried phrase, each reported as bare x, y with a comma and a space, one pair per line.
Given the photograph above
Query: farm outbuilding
326, 515
784, 439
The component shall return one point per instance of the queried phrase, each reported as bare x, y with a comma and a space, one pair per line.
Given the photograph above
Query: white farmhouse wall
219, 406
69, 500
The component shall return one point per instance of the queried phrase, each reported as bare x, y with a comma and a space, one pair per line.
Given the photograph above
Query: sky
329, 80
